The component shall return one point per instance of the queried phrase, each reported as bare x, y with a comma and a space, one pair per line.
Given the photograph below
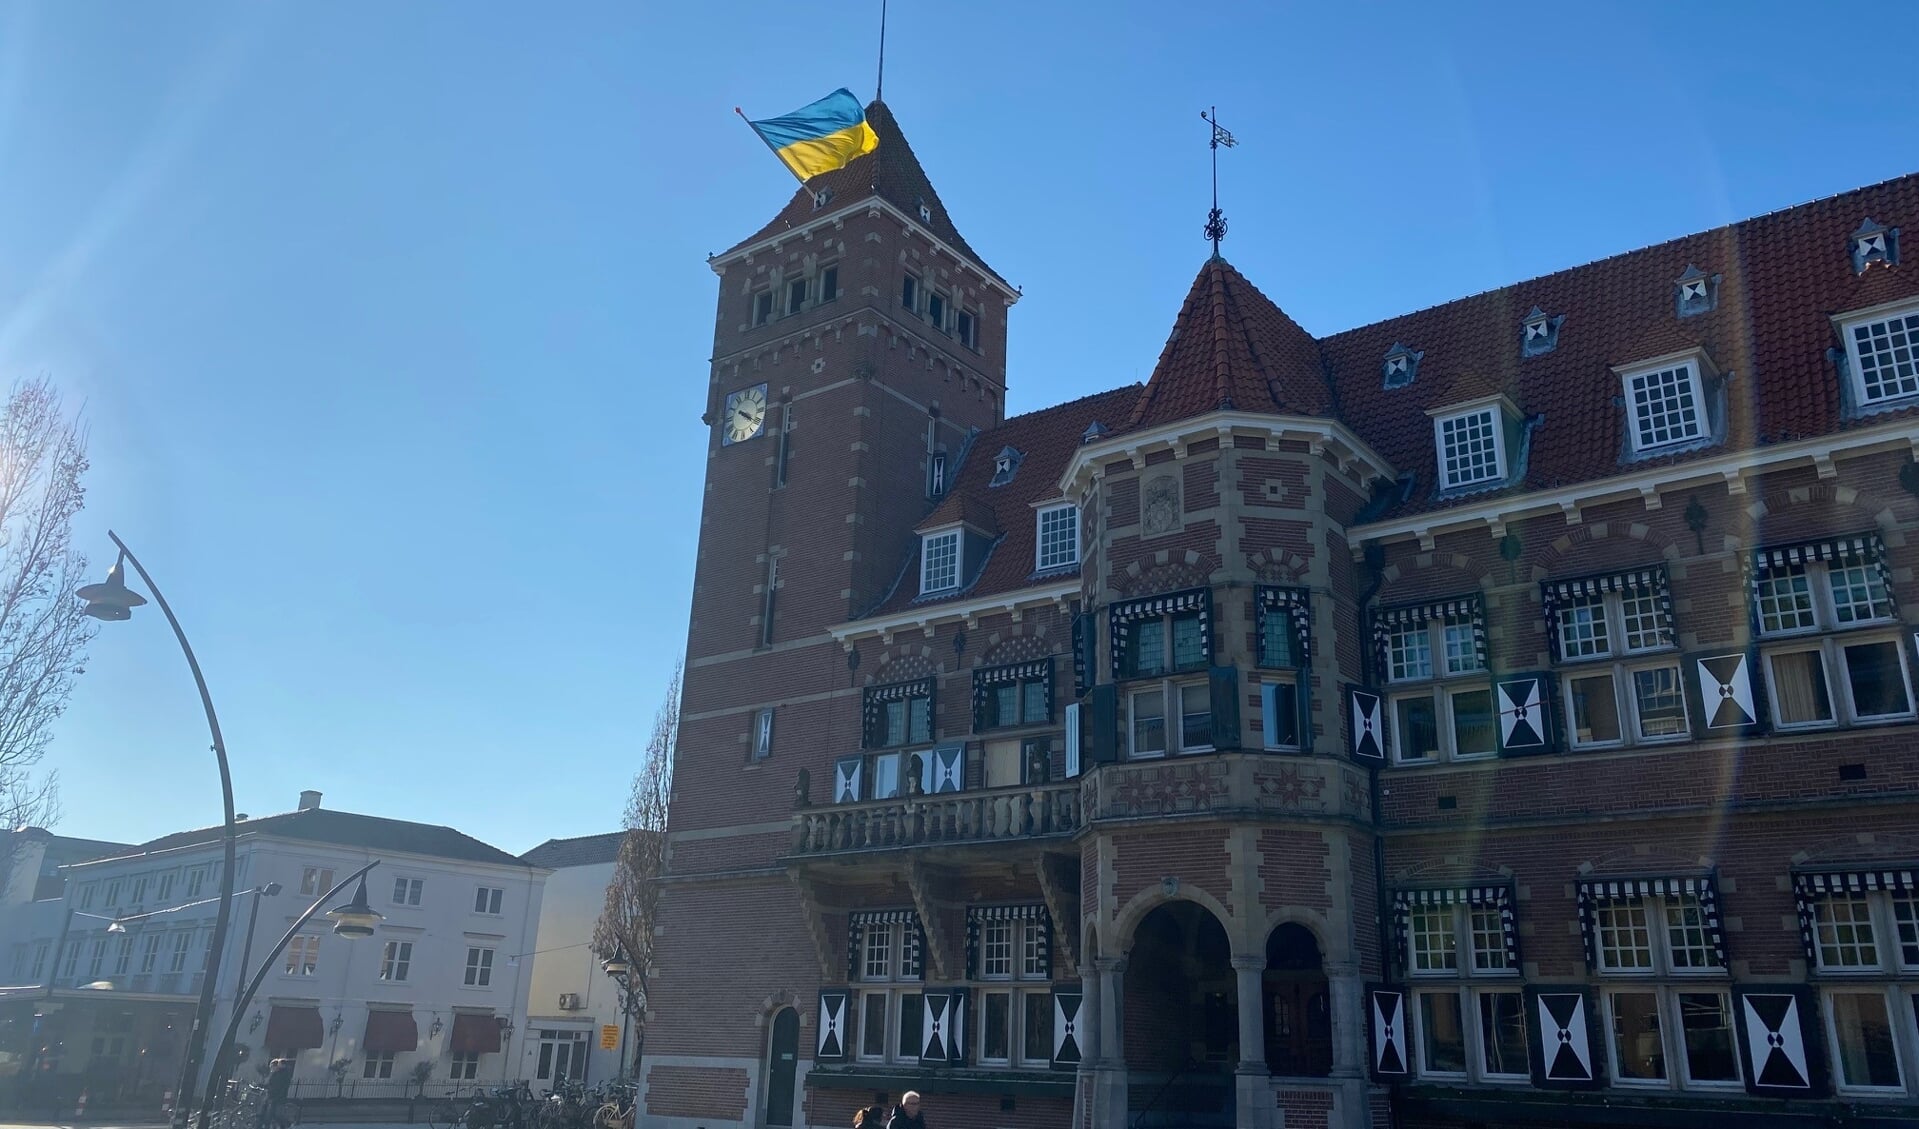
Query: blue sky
390, 321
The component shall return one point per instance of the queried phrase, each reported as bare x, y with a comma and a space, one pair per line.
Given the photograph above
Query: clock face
745, 415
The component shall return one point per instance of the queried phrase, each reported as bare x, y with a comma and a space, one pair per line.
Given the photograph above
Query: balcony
947, 818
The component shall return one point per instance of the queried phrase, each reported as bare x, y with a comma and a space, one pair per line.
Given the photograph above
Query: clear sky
391, 320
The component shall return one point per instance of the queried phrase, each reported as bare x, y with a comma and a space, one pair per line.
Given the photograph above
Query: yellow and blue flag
819, 138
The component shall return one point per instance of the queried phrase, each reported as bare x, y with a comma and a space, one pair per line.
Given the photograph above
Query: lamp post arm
202, 1015
266, 965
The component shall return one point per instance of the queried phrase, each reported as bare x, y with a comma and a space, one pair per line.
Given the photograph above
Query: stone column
1346, 996
1252, 1081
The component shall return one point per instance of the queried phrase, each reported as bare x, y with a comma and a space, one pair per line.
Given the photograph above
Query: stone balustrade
947, 817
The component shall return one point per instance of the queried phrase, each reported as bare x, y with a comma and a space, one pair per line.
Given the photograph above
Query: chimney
309, 800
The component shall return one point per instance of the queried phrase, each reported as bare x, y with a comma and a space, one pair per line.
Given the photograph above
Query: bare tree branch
43, 632
633, 895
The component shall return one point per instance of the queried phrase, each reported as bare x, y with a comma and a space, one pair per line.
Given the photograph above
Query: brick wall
714, 1092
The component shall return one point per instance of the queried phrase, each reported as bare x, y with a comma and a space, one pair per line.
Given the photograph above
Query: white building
434, 990
572, 999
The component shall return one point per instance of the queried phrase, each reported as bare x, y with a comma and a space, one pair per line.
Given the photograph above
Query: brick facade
1173, 922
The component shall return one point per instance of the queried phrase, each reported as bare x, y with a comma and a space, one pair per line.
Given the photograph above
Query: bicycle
618, 1108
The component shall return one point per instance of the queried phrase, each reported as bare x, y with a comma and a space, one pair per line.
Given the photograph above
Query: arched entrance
1180, 1012
782, 1064
1298, 1019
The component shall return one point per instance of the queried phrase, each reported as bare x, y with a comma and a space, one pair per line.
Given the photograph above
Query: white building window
1665, 1030
889, 1012
1441, 705
487, 899
378, 1065
1831, 652
1637, 698
1468, 1027
1883, 351
1169, 717
939, 562
303, 956
465, 1067
396, 959
1665, 405
479, 967
406, 891
763, 734
315, 880
1058, 537
1472, 447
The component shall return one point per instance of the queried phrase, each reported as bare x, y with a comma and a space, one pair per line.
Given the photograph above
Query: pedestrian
279, 1082
907, 1116
872, 1117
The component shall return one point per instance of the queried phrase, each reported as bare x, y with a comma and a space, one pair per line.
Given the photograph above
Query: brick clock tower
858, 344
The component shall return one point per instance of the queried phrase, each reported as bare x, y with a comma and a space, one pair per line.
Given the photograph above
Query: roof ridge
1727, 227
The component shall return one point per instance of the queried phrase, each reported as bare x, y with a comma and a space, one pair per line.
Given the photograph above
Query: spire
1232, 349
890, 172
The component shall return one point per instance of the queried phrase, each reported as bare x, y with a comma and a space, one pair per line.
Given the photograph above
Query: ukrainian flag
819, 138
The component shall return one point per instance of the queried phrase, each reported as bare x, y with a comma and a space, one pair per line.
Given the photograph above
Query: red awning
294, 1029
390, 1031
475, 1034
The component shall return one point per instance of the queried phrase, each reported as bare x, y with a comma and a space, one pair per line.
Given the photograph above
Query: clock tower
859, 342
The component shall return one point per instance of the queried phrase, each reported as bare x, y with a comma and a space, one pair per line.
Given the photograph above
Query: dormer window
1874, 243
1401, 365
939, 562
1095, 431
1472, 447
926, 213
1005, 464
822, 197
1666, 403
1882, 354
1695, 292
1058, 537
1540, 333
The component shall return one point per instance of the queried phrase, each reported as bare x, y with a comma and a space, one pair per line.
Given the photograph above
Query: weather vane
1216, 219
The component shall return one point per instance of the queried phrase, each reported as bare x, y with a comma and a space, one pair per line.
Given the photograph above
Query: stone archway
1181, 1019
1297, 1001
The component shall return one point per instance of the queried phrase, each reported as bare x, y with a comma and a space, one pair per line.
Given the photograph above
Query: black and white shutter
1778, 1040
1726, 699
1366, 714
1525, 705
946, 768
1392, 1046
942, 1027
1562, 1044
846, 780
1066, 1033
832, 1044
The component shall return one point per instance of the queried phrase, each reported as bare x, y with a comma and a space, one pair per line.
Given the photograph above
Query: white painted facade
462, 952
571, 998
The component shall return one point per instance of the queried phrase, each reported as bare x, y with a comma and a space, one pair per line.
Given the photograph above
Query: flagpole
769, 145
879, 87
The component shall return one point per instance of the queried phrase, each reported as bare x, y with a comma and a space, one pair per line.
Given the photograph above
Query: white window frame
163, 886
302, 957
1041, 560
378, 1064
1169, 691
315, 880
795, 305
885, 979
408, 891
763, 733
1495, 410
1271, 713
464, 1067
1468, 995
488, 901
1847, 325
1898, 1001
479, 967
396, 961
1439, 684
818, 288
927, 543
1162, 624
1466, 951
1832, 638
1666, 983
1628, 707
966, 326
937, 318
1697, 368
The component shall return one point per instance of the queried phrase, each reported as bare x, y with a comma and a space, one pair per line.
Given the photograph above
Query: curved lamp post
620, 970
353, 921
112, 601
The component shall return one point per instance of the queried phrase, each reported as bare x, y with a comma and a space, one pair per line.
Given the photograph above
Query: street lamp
112, 601
353, 921
620, 970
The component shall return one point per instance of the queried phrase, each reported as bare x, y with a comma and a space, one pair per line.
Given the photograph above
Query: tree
43, 630
626, 922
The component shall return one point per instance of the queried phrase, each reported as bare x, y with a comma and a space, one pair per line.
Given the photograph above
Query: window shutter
1066, 1010
1524, 703
1561, 1037
1725, 697
1036, 760
1366, 717
1268, 714
1223, 682
832, 1044
946, 768
1392, 1046
1776, 1028
1072, 740
1105, 709
846, 780
956, 1021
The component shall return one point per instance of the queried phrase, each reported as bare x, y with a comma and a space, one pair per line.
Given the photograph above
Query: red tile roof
1046, 439
1231, 347
1784, 276
890, 172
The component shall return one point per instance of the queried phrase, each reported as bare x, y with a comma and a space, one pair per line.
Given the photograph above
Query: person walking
907, 1115
279, 1083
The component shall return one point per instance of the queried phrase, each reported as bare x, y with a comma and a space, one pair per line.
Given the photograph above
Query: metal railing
945, 817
